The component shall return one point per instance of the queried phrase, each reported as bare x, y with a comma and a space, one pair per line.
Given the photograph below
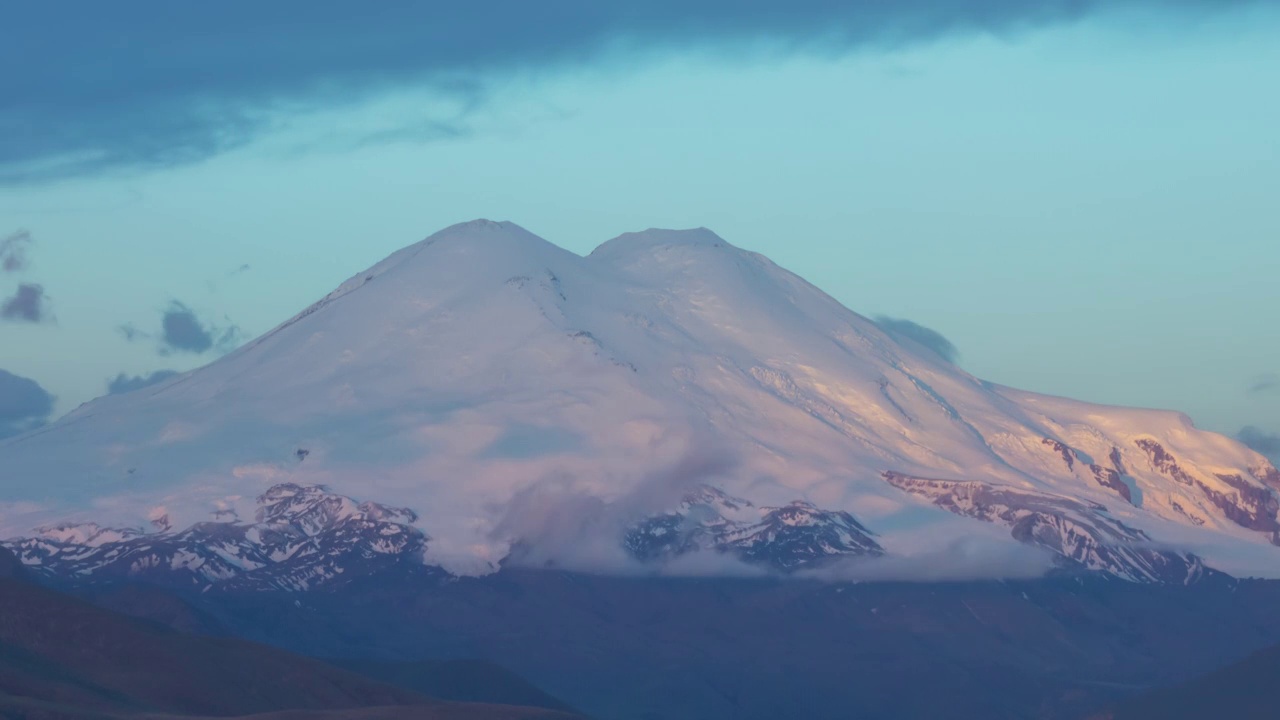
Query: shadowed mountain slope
1245, 690
62, 657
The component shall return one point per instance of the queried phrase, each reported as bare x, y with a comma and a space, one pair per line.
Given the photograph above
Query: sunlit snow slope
513, 394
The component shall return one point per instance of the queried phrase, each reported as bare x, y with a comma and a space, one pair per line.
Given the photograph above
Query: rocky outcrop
1163, 462
788, 538
303, 537
1081, 534
1068, 457
1112, 480
1242, 501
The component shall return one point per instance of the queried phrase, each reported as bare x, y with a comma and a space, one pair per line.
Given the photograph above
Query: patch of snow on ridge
466, 374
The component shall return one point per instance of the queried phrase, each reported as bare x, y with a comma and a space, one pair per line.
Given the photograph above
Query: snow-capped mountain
786, 538
301, 538
667, 395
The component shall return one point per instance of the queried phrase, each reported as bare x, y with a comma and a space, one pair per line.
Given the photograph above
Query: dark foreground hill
642, 648
1242, 691
466, 680
61, 657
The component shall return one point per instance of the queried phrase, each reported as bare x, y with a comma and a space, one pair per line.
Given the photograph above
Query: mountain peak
481, 225
654, 239
460, 253
484, 231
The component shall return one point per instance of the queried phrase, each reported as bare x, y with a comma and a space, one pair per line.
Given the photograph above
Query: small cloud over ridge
1261, 441
901, 329
24, 404
123, 383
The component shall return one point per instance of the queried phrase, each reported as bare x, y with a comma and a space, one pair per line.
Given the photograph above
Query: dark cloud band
97, 85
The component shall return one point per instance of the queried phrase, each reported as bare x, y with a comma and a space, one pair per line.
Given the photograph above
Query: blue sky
1083, 201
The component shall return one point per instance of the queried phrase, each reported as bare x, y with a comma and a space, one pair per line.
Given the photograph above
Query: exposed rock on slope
303, 537
795, 536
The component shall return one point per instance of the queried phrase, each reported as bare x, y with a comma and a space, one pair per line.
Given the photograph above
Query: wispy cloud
558, 521
29, 303
13, 251
155, 83
215, 285
132, 332
1266, 382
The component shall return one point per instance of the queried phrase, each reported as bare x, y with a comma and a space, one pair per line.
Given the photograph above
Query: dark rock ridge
1244, 504
1164, 462
788, 538
1267, 475
303, 537
1068, 456
1082, 535
1249, 506
1112, 478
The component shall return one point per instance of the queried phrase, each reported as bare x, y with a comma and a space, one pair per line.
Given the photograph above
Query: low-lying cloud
24, 404
900, 329
974, 558
560, 522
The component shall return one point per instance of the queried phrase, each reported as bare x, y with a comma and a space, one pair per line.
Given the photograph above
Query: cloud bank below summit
24, 404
